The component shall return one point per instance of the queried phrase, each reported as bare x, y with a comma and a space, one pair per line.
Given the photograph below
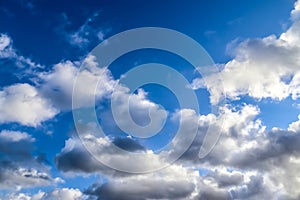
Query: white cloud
24, 178
57, 85
15, 136
261, 68
149, 118
4, 42
84, 35
22, 103
63, 193
295, 14
295, 126
7, 51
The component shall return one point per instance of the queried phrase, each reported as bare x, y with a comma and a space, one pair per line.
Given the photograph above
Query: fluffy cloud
248, 162
175, 182
63, 193
148, 117
74, 157
295, 126
60, 193
22, 103
261, 68
19, 168
91, 82
53, 90
268, 159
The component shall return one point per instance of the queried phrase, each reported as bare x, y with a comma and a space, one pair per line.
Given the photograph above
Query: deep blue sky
213, 23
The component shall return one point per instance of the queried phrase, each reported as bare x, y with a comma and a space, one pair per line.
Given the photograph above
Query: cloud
261, 68
174, 182
92, 81
4, 42
63, 193
245, 149
18, 167
148, 118
22, 103
85, 34
52, 93
248, 162
74, 157
295, 126
59, 193
8, 52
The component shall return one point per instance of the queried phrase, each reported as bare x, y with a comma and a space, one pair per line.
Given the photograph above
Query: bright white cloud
261, 68
22, 103
63, 193
295, 126
91, 82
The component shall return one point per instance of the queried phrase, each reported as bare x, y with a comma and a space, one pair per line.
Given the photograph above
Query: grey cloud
78, 159
143, 190
18, 166
128, 144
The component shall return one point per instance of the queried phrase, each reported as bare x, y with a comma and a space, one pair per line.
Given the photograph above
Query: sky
140, 100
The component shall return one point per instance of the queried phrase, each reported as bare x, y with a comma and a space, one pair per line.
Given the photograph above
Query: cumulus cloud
295, 126
57, 85
105, 155
75, 158
248, 162
59, 193
53, 90
18, 167
63, 193
247, 147
22, 103
175, 182
148, 118
262, 68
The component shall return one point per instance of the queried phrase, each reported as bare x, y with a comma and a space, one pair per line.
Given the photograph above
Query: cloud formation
18, 167
22, 103
262, 68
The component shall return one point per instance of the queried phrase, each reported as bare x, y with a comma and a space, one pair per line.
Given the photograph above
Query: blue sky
49, 48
